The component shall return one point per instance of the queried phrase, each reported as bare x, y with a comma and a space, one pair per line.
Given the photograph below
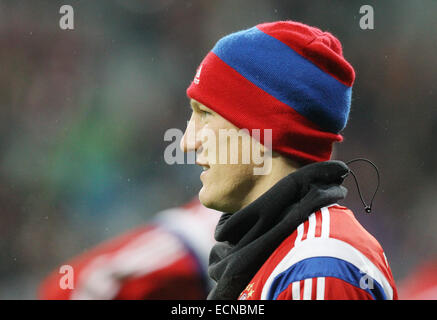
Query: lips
203, 165
205, 168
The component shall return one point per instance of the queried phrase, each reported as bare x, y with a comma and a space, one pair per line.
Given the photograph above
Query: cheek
230, 176
245, 151
230, 150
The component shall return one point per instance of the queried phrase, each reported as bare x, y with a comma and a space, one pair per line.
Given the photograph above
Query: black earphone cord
368, 208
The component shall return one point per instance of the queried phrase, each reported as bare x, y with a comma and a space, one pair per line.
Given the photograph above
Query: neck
281, 167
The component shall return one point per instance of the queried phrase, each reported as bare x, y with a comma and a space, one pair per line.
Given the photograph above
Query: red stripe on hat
224, 90
321, 48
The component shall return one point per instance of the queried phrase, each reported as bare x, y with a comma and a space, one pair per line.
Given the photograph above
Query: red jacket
329, 257
166, 259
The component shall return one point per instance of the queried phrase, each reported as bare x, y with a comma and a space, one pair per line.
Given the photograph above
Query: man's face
228, 177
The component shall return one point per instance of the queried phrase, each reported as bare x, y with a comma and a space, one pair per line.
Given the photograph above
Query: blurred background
83, 114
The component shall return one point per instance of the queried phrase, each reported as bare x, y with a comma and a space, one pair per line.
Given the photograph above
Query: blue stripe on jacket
326, 267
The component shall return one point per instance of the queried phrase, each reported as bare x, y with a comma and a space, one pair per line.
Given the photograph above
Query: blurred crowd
83, 114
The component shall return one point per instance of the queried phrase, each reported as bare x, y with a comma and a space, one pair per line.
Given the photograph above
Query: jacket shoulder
331, 243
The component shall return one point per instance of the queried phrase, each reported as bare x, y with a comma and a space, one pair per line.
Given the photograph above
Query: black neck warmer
249, 236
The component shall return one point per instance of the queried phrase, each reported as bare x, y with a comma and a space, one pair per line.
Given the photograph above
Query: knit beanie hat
284, 76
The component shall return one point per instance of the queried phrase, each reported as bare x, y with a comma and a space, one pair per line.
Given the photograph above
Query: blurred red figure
166, 259
421, 283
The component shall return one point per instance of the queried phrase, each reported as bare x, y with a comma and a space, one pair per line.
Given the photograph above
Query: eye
204, 113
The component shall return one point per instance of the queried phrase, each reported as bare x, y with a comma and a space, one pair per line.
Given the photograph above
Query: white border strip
330, 247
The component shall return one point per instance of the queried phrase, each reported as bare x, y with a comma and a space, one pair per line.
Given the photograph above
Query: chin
213, 200
205, 199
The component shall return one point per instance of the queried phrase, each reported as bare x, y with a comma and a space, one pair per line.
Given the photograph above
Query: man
166, 259
283, 235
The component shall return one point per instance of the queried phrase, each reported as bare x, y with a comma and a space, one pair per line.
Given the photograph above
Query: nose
189, 141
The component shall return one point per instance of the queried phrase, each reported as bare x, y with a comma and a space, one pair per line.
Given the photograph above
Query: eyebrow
194, 105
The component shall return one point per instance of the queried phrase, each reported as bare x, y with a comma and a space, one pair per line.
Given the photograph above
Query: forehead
216, 119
